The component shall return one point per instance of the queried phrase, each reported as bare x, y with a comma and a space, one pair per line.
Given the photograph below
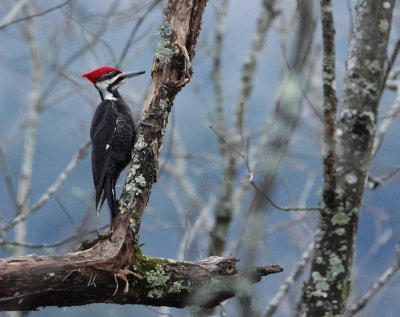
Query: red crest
97, 73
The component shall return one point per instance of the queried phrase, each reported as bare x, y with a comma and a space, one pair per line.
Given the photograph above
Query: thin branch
81, 153
3, 25
387, 121
281, 123
252, 183
81, 50
67, 213
391, 62
264, 22
378, 285
135, 28
7, 177
52, 245
374, 182
220, 15
95, 35
289, 282
13, 12
30, 137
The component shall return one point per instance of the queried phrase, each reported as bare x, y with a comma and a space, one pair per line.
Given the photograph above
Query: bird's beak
131, 74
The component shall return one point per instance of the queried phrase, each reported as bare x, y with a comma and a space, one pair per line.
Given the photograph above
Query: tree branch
48, 281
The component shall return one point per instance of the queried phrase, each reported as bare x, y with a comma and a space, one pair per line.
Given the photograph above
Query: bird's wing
102, 134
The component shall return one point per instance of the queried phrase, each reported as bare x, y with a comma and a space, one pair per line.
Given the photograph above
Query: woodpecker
112, 132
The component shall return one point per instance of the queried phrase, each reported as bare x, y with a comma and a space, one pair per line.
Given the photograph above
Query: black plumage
113, 134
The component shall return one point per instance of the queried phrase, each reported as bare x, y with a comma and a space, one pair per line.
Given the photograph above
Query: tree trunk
328, 286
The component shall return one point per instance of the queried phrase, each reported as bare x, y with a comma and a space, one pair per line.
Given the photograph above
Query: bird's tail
109, 187
107, 191
100, 197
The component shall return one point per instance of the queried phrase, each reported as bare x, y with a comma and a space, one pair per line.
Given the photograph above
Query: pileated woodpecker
112, 132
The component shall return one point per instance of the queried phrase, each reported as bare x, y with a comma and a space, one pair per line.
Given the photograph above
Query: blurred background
247, 125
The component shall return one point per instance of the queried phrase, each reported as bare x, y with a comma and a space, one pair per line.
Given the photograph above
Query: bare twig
294, 275
31, 16
81, 153
252, 183
391, 115
13, 12
391, 62
7, 177
378, 285
220, 15
55, 244
135, 28
32, 119
264, 22
84, 48
375, 182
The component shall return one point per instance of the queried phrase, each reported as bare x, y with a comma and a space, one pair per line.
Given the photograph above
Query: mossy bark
327, 289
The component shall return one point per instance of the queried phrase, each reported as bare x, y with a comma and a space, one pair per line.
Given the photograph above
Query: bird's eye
109, 75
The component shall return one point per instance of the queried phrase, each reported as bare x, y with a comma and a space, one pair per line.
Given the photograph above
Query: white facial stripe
107, 146
102, 87
108, 96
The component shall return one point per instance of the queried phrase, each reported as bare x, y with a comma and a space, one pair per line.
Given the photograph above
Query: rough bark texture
113, 269
327, 289
83, 278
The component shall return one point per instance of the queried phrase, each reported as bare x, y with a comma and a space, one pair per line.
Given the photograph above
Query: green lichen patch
384, 25
140, 143
146, 263
140, 180
321, 285
164, 106
340, 218
163, 52
132, 224
176, 287
156, 281
156, 277
335, 267
164, 103
340, 231
155, 293
346, 288
372, 66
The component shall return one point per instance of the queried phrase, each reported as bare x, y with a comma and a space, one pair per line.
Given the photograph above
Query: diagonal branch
6, 21
81, 154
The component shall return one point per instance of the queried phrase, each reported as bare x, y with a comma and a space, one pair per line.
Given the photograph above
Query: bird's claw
122, 275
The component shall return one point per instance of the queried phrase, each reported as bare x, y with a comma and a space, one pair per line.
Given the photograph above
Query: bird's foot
122, 275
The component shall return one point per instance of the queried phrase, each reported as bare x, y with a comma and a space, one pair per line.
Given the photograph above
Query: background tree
215, 186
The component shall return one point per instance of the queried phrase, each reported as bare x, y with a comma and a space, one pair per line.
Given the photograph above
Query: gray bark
328, 286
